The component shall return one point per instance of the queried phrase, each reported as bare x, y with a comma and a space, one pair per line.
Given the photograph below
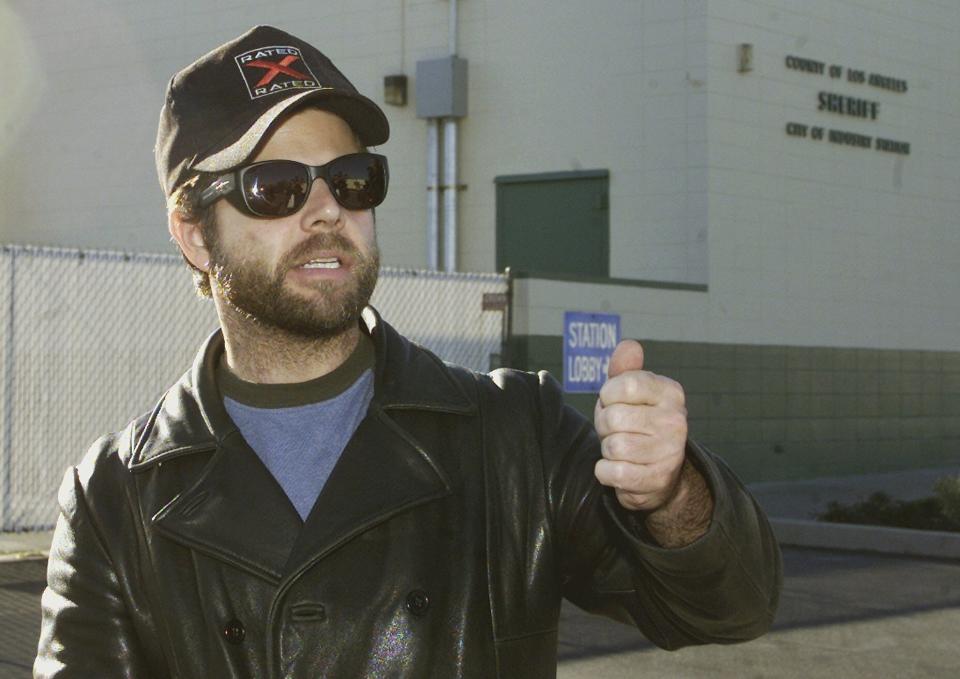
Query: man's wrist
686, 516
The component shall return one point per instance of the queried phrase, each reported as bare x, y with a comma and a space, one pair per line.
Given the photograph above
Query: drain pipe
450, 182
433, 193
441, 100
453, 28
450, 191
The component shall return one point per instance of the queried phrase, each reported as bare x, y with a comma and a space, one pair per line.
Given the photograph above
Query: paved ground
842, 615
21, 583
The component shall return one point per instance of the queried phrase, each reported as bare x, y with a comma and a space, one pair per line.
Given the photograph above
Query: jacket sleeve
722, 588
86, 629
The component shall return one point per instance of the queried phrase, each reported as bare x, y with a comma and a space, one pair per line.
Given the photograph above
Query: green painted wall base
783, 413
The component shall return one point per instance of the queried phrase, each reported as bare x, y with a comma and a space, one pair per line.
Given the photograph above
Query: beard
259, 295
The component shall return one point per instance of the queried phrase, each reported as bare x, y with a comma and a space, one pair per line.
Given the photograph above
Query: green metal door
556, 223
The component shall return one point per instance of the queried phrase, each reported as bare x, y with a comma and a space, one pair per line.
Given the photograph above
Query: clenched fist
641, 419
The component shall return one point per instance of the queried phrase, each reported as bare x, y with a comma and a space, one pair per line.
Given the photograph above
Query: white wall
816, 243
812, 243
89, 78
575, 85
553, 86
799, 242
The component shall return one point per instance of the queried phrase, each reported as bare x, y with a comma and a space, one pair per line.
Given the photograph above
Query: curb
858, 538
24, 556
26, 545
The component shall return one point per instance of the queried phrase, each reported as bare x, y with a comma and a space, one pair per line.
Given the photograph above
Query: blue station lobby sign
588, 343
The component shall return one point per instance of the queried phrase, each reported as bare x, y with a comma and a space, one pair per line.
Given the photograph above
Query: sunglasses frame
230, 185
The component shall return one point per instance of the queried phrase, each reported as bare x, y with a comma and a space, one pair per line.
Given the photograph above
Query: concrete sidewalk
791, 505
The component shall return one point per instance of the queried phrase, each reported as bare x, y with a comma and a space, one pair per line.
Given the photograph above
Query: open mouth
323, 263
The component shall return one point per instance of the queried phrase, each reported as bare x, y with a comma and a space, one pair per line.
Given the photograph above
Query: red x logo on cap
275, 69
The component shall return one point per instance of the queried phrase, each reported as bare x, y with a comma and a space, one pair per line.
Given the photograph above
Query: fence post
505, 350
6, 489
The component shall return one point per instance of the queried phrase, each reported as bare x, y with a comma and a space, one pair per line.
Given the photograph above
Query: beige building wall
804, 291
553, 86
813, 242
797, 242
810, 243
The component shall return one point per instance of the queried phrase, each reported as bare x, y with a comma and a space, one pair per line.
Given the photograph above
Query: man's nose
321, 211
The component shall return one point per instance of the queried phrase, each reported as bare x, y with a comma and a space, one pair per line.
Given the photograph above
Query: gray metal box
442, 88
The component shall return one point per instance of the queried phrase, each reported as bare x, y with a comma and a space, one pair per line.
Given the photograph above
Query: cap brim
362, 114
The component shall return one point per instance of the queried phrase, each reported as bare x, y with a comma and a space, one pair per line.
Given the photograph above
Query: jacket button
418, 602
233, 632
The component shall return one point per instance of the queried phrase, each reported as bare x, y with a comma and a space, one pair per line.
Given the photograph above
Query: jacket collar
231, 508
191, 417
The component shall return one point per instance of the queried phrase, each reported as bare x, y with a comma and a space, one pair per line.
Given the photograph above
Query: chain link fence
91, 339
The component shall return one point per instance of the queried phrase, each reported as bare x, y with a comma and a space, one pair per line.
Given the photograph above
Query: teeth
323, 264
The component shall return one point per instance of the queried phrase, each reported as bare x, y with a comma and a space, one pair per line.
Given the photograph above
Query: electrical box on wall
442, 88
395, 89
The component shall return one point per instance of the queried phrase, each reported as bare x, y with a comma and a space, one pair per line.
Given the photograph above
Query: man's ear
189, 237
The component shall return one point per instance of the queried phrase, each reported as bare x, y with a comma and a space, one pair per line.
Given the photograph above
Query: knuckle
602, 420
633, 388
618, 474
638, 476
678, 423
672, 389
672, 423
600, 471
609, 447
678, 392
616, 418
620, 446
625, 477
605, 395
606, 448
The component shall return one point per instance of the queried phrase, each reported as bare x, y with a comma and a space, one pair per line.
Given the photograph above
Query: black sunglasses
277, 188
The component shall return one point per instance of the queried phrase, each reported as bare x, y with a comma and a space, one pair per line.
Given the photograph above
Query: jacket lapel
384, 469
381, 473
237, 513
234, 509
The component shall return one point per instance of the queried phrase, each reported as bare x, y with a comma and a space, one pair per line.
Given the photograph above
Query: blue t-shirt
299, 430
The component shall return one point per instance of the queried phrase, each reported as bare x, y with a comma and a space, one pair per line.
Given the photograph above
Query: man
317, 496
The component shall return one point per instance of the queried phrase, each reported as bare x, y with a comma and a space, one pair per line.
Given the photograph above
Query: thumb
627, 356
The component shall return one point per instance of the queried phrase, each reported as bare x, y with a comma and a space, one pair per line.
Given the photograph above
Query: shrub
948, 494
882, 510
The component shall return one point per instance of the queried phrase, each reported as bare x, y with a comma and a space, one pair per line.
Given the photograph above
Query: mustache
317, 243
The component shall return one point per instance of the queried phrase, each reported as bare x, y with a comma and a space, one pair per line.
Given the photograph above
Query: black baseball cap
219, 108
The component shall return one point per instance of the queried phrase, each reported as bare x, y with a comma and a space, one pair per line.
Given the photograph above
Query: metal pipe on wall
453, 27
442, 251
433, 193
450, 179
450, 194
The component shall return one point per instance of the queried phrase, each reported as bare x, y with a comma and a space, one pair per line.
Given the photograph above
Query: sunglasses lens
276, 188
358, 181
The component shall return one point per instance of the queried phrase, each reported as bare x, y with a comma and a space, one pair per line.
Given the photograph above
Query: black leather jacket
460, 513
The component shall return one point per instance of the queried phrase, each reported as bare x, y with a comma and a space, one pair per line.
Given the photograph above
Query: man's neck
256, 353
